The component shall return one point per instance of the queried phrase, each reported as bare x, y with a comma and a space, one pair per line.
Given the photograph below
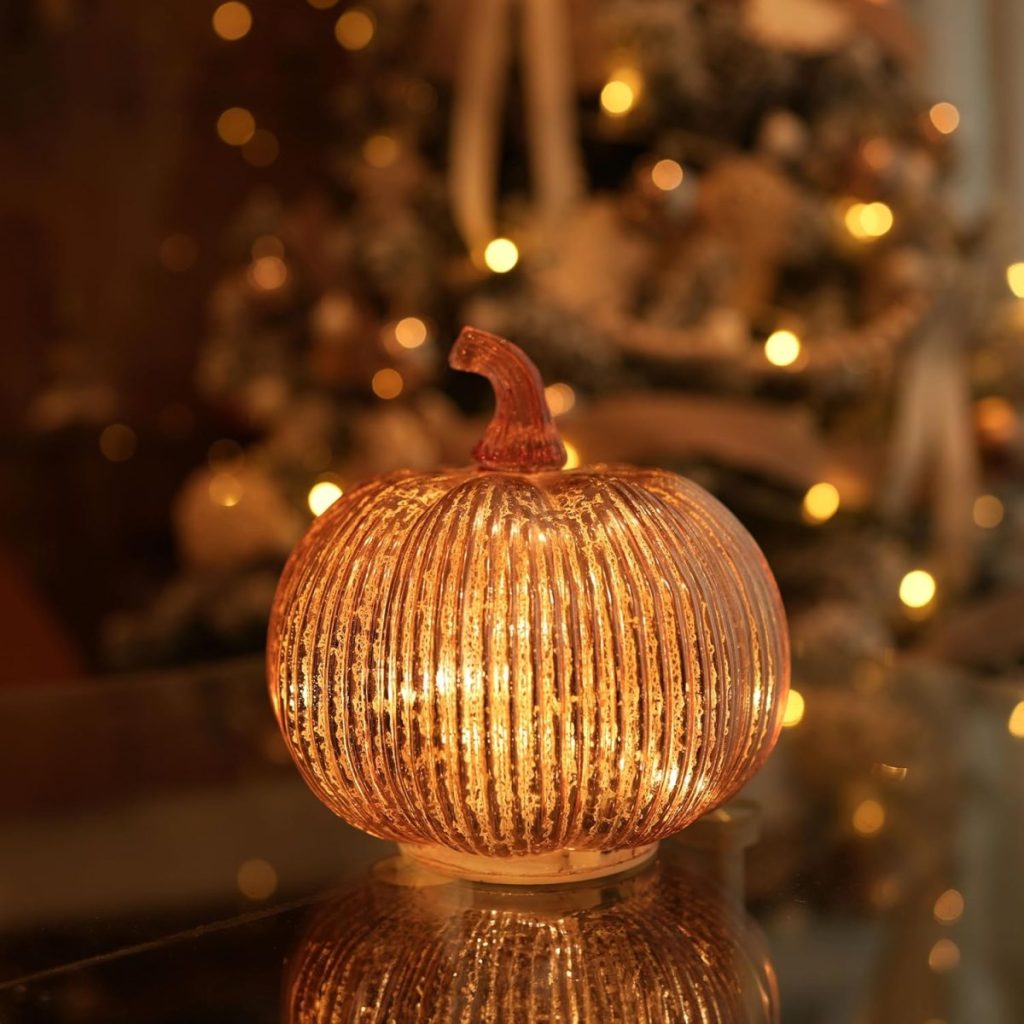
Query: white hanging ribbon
474, 150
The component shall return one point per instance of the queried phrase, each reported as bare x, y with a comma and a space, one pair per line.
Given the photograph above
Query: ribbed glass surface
657, 949
508, 663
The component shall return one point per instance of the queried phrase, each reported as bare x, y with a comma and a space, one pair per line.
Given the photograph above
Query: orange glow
794, 712
821, 502
514, 612
225, 489
355, 29
232, 21
869, 817
949, 907
380, 151
667, 175
257, 879
996, 419
410, 332
621, 91
945, 117
268, 273
387, 383
988, 511
560, 398
236, 126
944, 956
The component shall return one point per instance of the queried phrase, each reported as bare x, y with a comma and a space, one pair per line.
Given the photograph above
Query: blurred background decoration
776, 245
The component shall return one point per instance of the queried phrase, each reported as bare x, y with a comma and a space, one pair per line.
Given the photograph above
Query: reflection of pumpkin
514, 659
660, 946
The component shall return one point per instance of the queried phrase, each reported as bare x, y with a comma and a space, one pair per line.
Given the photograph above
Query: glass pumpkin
521, 672
659, 946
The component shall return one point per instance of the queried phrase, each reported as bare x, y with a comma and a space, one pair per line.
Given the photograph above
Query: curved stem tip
521, 436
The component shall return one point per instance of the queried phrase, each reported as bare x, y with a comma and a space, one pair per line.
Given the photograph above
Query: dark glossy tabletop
160, 860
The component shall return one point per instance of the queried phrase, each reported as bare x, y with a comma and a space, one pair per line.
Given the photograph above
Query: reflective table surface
160, 860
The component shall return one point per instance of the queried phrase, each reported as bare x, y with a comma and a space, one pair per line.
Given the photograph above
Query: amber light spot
621, 92
322, 495
355, 29
1015, 724
262, 149
410, 332
380, 151
667, 175
232, 21
944, 956
868, 221
821, 502
118, 442
225, 489
945, 117
869, 817
387, 383
988, 511
268, 273
257, 879
794, 712
949, 907
572, 456
1015, 279
178, 253
236, 126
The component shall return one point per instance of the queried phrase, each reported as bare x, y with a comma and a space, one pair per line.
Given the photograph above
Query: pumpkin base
555, 868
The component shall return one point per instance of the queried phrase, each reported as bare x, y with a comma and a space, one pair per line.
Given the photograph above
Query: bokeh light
572, 455
410, 332
945, 117
387, 383
917, 588
794, 711
1015, 279
996, 419
225, 489
821, 502
232, 21
118, 442
1015, 723
262, 149
988, 511
178, 253
268, 273
560, 398
867, 221
944, 956
236, 126
621, 92
667, 175
501, 255
868, 817
257, 879
782, 348
380, 151
355, 29
322, 495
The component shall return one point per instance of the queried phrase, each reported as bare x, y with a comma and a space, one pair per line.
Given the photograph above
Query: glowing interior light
501, 255
821, 502
782, 348
322, 495
667, 175
917, 588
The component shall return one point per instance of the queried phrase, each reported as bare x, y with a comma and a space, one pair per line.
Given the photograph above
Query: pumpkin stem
521, 435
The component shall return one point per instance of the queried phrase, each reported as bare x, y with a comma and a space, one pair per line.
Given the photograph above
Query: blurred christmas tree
721, 230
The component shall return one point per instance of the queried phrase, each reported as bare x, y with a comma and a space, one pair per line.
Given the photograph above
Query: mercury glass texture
503, 661
661, 948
